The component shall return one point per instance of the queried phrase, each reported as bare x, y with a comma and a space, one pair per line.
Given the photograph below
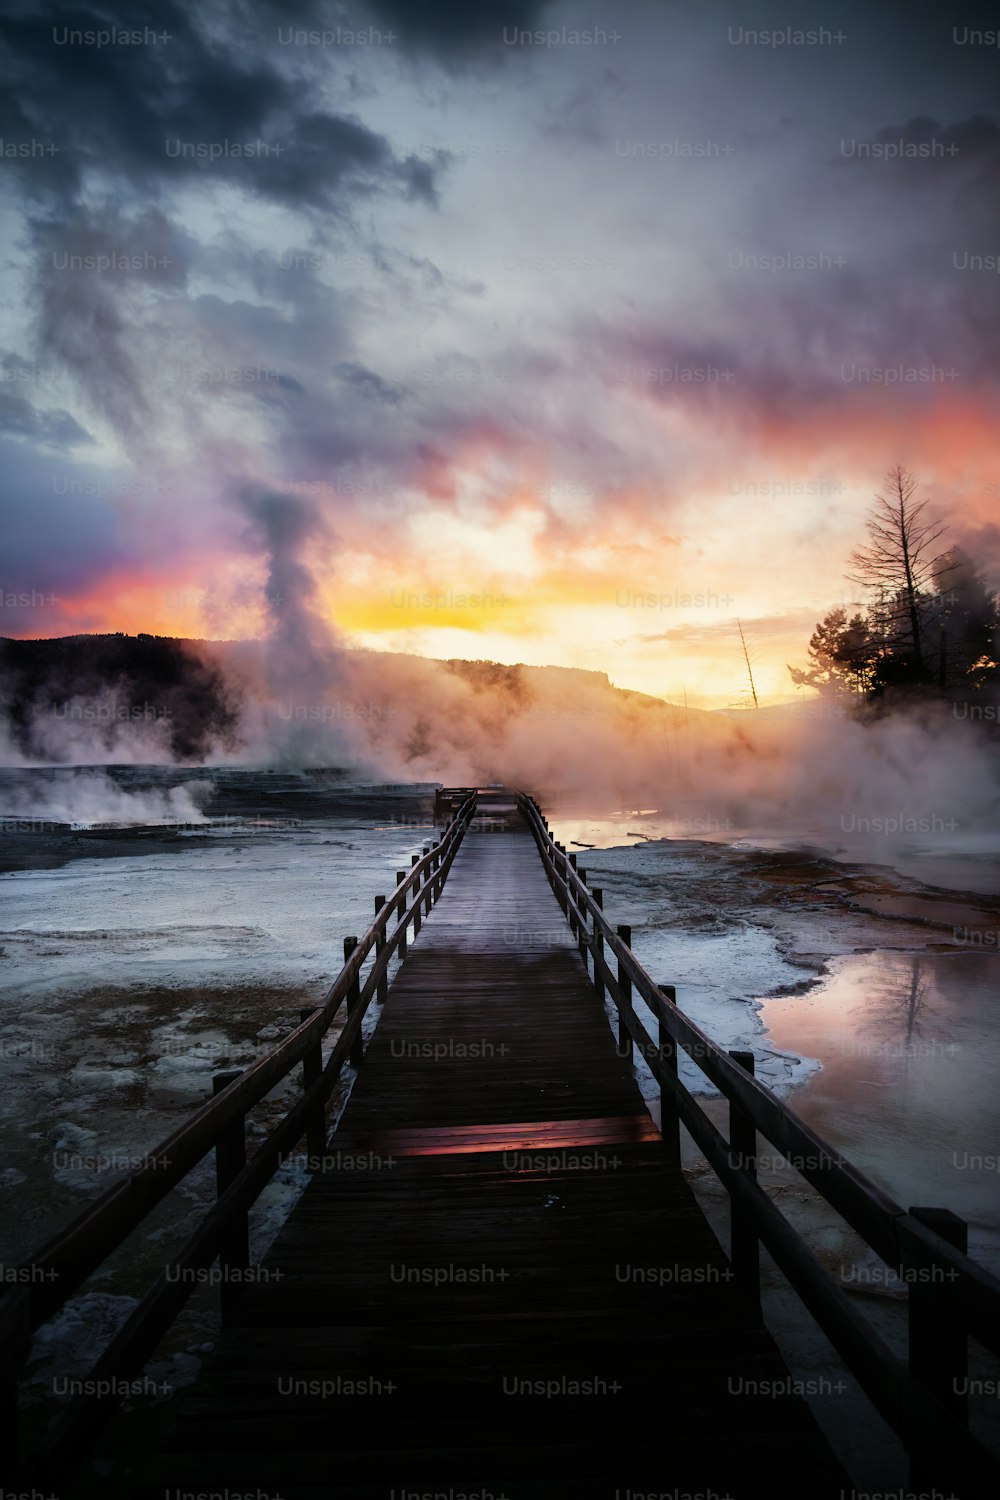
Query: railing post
312, 1067
428, 875
400, 909
598, 896
625, 996
561, 894
230, 1159
938, 1342
570, 894
584, 945
415, 860
743, 1243
670, 1120
357, 1053
380, 941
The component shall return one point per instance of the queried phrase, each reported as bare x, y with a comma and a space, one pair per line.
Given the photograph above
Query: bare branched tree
746, 657
900, 560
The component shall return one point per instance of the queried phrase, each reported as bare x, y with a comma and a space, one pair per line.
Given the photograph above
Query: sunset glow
549, 391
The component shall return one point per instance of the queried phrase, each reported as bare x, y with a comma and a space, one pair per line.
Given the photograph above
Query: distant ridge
203, 690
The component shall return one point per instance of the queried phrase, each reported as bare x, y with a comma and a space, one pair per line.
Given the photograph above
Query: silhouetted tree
840, 655
930, 619
898, 566
966, 621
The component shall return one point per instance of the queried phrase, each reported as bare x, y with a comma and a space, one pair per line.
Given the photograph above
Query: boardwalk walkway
495, 1287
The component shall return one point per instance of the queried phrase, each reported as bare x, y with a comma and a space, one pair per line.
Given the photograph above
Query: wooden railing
950, 1297
51, 1276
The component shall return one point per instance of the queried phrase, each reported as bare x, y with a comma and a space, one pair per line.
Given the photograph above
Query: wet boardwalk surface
496, 1286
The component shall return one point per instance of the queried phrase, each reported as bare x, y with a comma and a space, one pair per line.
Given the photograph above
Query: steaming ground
162, 923
138, 957
128, 975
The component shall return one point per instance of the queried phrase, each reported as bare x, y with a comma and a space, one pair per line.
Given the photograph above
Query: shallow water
890, 1049
910, 1052
958, 861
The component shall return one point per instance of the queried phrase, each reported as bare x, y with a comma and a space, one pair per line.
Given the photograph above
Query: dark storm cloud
273, 389
926, 41
86, 269
121, 248
314, 448
656, 358
578, 117
54, 429
739, 379
887, 292
191, 101
457, 31
185, 107
391, 358
308, 162
59, 500
368, 383
290, 386
960, 165
923, 144
301, 335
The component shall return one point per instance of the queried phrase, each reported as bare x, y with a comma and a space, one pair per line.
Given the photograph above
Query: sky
544, 332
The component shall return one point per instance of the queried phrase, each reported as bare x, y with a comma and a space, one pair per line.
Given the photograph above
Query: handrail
63, 1263
947, 1290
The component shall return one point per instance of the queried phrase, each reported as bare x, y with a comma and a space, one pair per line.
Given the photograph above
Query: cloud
54, 429
407, 338
457, 33
368, 383
87, 272
57, 501
213, 100
755, 628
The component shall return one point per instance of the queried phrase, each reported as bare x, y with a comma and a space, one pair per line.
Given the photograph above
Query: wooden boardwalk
495, 1287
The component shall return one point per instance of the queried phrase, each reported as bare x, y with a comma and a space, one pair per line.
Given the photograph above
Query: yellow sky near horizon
645, 589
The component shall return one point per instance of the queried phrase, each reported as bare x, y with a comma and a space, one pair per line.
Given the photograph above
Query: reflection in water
902, 1012
910, 1054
